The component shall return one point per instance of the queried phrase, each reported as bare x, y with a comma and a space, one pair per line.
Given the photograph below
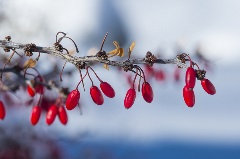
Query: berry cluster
96, 95
36, 86
52, 112
147, 91
190, 80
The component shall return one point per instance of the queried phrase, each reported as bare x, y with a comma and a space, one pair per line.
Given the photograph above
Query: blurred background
208, 30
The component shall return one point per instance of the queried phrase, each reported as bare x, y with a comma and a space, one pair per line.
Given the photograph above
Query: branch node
150, 58
128, 66
29, 49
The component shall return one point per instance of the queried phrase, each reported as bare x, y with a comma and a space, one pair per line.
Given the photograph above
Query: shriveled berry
51, 114
189, 96
147, 92
96, 95
2, 110
72, 99
208, 86
62, 115
35, 116
190, 77
31, 91
129, 98
107, 89
39, 88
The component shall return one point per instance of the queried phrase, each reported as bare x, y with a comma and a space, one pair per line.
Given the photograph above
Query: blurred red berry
72, 99
147, 92
2, 110
107, 89
129, 98
62, 115
51, 114
188, 96
35, 116
208, 86
149, 71
31, 91
159, 75
176, 74
190, 77
96, 95
39, 88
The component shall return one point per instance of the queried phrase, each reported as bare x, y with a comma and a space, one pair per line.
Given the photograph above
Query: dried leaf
132, 46
116, 44
106, 66
121, 52
113, 52
29, 63
131, 49
118, 51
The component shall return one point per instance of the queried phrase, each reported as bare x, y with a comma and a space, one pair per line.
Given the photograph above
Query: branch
100, 57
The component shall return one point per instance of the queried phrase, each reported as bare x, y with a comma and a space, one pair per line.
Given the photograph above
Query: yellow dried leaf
106, 66
130, 49
113, 52
118, 51
116, 44
132, 46
29, 63
121, 52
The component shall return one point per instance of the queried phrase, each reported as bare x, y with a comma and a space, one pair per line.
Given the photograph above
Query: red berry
31, 91
35, 116
72, 99
107, 89
62, 115
96, 95
129, 98
189, 97
147, 92
190, 78
2, 110
51, 114
208, 86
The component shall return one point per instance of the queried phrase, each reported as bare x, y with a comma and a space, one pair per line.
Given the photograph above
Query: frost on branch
29, 77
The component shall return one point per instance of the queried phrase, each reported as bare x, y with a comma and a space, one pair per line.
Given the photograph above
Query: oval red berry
35, 116
190, 77
31, 91
51, 114
129, 98
189, 96
62, 115
208, 86
147, 92
107, 89
96, 95
72, 99
2, 110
